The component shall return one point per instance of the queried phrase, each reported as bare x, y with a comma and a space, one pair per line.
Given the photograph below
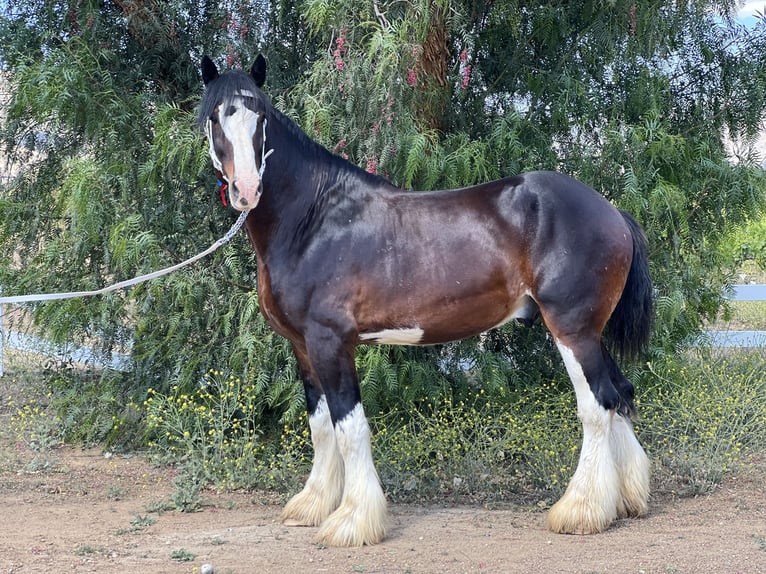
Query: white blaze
239, 128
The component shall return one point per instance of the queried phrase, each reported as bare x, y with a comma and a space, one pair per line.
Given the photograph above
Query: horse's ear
209, 71
258, 71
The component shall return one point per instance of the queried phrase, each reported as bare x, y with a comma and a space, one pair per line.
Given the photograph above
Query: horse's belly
433, 321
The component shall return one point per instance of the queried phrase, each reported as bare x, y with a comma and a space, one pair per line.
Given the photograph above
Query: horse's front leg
361, 517
324, 486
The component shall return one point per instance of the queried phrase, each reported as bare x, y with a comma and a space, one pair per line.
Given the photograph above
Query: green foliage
115, 182
182, 555
481, 447
690, 197
747, 244
701, 418
632, 98
219, 432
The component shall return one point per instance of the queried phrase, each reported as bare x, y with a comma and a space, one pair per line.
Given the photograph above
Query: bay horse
345, 258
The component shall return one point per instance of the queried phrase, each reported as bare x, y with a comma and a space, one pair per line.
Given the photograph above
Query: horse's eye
214, 119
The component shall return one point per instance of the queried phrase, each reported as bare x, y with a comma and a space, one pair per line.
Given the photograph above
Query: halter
223, 186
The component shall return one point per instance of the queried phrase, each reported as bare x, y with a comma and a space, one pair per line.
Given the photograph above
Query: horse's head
233, 112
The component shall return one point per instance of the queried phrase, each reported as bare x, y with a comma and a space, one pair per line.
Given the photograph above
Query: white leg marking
632, 468
590, 502
361, 517
411, 336
324, 486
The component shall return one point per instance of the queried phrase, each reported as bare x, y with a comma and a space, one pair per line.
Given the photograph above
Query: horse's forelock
227, 86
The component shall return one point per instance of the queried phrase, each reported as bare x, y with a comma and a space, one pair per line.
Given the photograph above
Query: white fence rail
744, 339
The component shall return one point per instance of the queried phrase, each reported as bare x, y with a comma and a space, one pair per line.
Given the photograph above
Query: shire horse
345, 258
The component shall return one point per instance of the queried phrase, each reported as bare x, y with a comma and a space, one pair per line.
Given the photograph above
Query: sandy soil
77, 510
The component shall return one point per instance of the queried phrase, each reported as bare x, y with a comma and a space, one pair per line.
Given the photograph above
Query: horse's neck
304, 188
293, 184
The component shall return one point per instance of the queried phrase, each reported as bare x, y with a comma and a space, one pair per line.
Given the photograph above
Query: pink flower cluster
412, 74
340, 49
232, 58
232, 25
465, 69
339, 147
632, 19
412, 77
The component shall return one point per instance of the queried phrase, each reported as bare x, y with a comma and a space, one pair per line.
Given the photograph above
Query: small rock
206, 569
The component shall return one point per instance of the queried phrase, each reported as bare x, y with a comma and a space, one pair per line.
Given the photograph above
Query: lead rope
129, 282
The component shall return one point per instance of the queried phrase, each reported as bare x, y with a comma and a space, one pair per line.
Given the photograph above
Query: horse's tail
630, 325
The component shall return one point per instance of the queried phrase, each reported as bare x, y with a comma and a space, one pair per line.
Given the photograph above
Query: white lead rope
122, 284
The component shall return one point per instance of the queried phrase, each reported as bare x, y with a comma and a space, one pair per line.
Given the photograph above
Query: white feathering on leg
632, 468
361, 517
324, 486
590, 502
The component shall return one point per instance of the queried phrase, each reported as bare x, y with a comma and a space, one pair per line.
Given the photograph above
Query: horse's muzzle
245, 192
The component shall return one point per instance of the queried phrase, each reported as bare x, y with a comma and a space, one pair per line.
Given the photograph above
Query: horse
345, 258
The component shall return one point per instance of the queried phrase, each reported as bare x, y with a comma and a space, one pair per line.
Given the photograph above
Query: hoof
634, 498
354, 527
307, 508
578, 515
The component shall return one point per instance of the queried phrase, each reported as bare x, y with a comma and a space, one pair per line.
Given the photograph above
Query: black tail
630, 325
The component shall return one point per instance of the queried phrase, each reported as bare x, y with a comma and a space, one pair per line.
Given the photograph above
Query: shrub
701, 417
215, 432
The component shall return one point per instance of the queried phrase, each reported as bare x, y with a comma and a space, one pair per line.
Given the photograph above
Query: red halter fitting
223, 187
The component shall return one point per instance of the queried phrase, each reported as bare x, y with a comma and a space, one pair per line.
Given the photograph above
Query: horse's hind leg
591, 500
631, 460
324, 487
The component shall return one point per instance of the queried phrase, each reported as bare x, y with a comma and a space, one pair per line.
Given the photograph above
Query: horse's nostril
242, 201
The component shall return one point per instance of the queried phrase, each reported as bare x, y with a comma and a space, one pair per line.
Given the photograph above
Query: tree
632, 98
115, 182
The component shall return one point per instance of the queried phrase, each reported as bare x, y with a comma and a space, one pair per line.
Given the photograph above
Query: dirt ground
80, 511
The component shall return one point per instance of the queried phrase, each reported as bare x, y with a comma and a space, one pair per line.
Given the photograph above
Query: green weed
216, 430
182, 555
87, 549
138, 524
478, 447
698, 417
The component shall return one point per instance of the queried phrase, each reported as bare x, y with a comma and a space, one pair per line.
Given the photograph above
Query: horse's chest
273, 308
